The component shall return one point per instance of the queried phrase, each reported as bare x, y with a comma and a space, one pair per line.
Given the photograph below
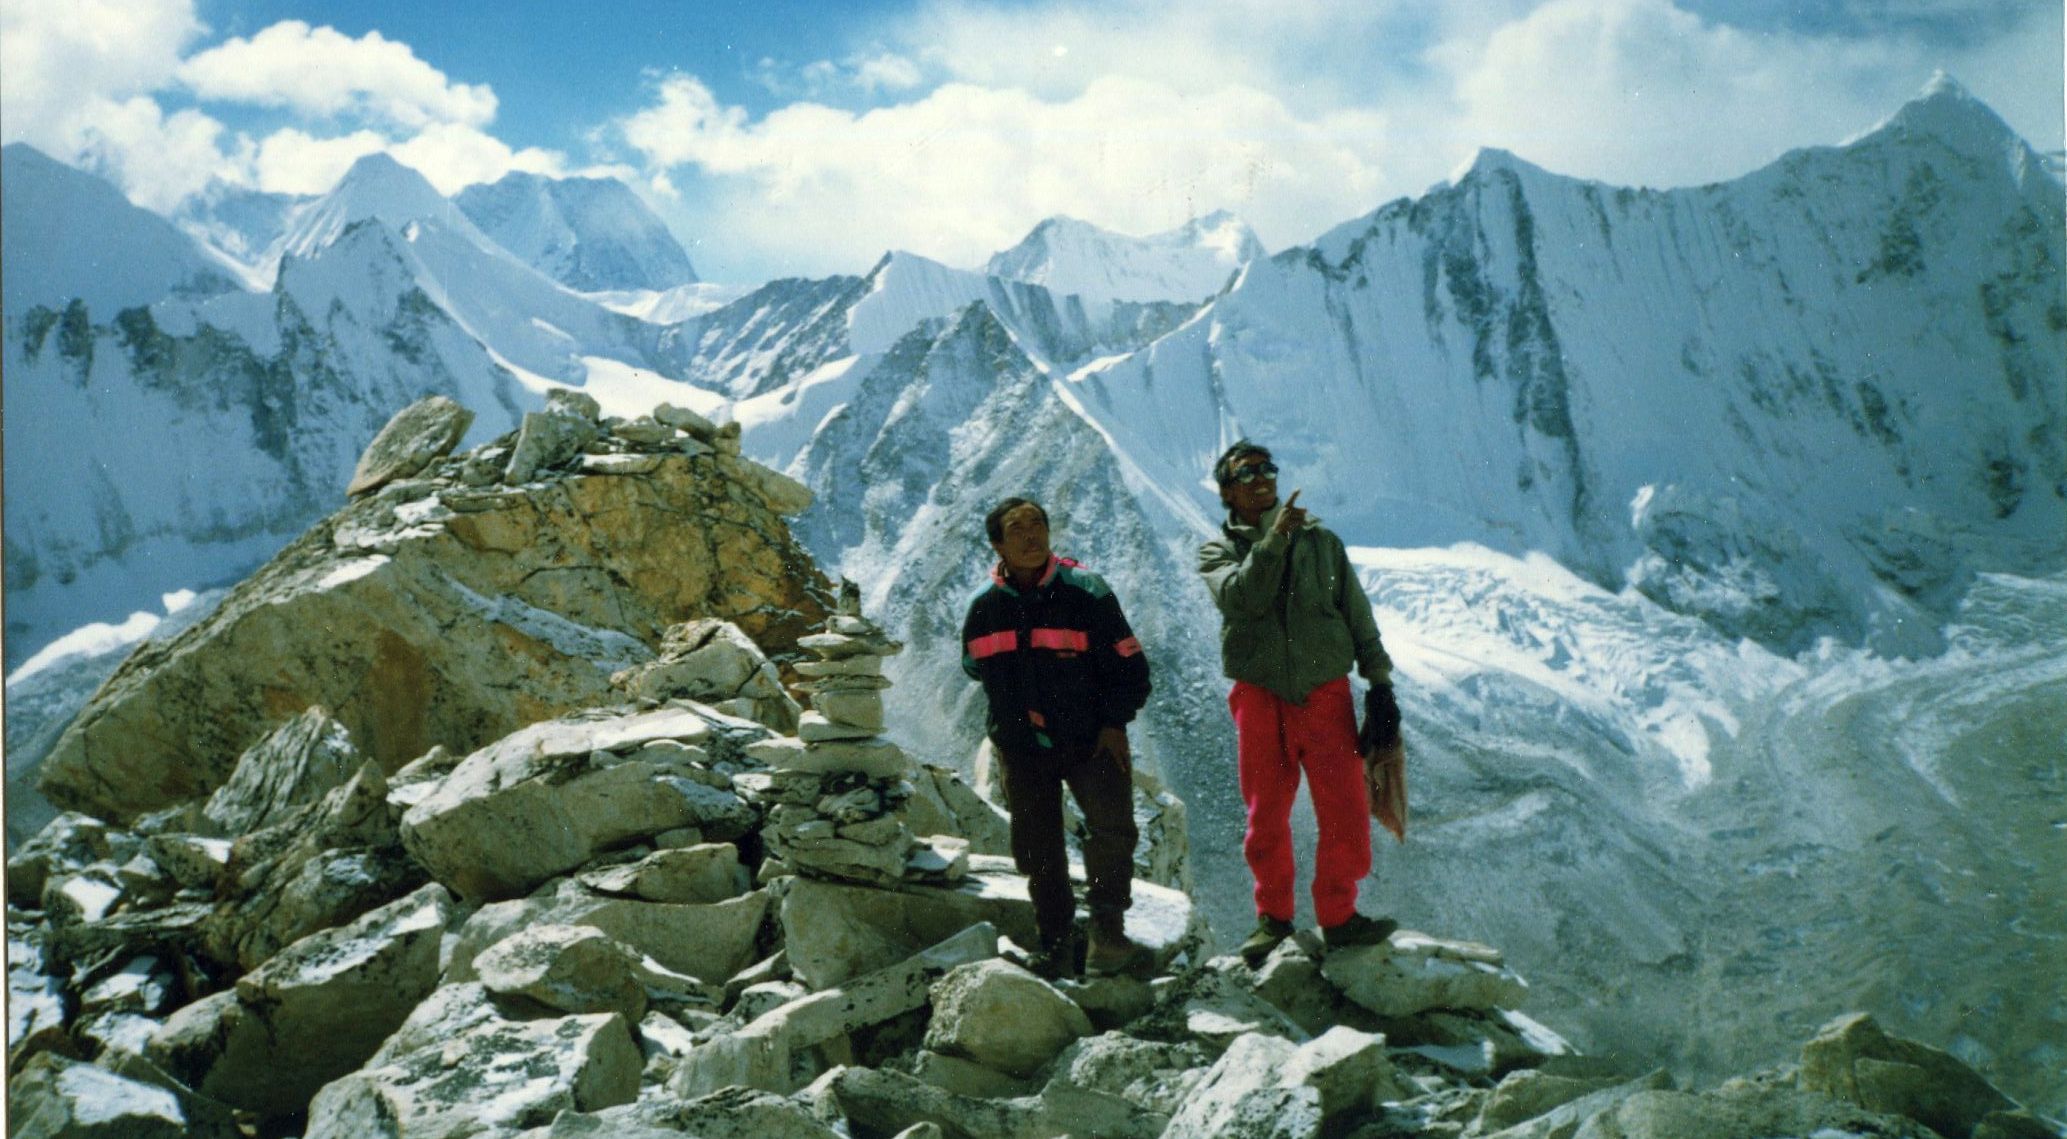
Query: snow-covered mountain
1075, 258
248, 226
590, 234
1648, 485
169, 429
1720, 533
72, 237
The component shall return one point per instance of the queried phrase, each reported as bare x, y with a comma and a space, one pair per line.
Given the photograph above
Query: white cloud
62, 61
1639, 92
453, 156
966, 170
866, 75
449, 156
886, 71
292, 161
321, 71
157, 159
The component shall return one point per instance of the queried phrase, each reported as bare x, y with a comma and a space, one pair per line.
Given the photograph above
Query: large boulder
548, 798
316, 1010
568, 968
433, 613
1002, 1017
1241, 1097
296, 765
1413, 972
1852, 1059
462, 1066
58, 1098
709, 942
416, 437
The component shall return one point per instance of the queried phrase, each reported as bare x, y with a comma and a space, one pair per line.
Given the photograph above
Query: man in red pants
1293, 621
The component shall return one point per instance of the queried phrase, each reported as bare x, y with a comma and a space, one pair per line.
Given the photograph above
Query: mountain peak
591, 234
1947, 112
1068, 256
376, 187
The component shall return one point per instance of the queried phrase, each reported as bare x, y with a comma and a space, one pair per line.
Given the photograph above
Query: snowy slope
70, 236
590, 234
247, 226
1811, 402
1190, 263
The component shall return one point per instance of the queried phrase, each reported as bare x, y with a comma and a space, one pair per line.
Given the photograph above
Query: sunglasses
1249, 474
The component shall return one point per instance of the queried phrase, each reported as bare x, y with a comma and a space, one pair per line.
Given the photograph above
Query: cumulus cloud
966, 170
450, 156
64, 61
321, 71
157, 159
1640, 92
293, 161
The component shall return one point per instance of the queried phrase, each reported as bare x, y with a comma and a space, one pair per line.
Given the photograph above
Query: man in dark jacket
1293, 620
1063, 676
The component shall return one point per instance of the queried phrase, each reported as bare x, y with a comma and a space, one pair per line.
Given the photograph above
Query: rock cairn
838, 787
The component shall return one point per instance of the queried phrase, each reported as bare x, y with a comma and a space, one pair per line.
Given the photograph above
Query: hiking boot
1358, 930
1270, 932
1112, 952
1056, 960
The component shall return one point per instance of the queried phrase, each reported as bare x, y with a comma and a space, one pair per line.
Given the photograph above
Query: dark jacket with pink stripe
1057, 662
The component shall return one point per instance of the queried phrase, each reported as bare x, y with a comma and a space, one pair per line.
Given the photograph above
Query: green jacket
1290, 627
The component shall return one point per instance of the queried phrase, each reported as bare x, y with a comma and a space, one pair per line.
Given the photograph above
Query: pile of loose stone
838, 787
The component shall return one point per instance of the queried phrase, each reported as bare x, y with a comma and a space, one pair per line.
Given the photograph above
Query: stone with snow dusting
540, 802
55, 1096
567, 968
417, 436
1003, 1017
709, 942
1413, 972
460, 1066
298, 763
495, 610
313, 1012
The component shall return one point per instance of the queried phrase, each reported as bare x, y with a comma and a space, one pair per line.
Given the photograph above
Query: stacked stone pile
839, 788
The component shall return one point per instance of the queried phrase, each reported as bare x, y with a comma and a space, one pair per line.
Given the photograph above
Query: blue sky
807, 138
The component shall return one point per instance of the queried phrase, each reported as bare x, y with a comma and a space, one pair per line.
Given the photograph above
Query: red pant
1274, 740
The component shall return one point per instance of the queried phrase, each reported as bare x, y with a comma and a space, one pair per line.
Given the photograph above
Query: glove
1381, 728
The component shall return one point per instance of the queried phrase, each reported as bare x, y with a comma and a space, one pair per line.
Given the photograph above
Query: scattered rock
1002, 1017
459, 1066
1853, 1060
416, 437
1413, 972
298, 764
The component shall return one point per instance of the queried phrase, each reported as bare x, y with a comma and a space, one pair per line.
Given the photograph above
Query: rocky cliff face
631, 905
475, 595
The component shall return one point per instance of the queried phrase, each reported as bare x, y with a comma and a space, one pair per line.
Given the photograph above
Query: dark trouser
1104, 791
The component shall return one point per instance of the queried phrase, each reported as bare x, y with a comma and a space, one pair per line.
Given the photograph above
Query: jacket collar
1236, 528
1004, 582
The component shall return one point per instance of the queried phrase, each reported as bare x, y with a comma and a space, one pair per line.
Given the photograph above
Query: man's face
1024, 546
1249, 500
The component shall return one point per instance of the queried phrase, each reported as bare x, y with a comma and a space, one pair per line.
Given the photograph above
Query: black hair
1223, 467
994, 522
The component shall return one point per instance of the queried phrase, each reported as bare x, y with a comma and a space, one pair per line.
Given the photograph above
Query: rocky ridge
676, 904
